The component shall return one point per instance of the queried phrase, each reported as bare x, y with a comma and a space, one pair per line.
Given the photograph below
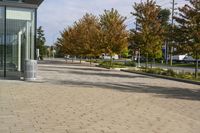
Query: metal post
5, 34
27, 46
171, 47
19, 50
166, 52
196, 69
35, 36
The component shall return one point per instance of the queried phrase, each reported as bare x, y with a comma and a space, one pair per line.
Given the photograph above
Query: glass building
17, 35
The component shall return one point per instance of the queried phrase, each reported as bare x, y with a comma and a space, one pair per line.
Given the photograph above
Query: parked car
107, 57
178, 57
189, 59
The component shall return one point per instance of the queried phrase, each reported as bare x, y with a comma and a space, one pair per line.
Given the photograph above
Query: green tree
149, 36
164, 16
125, 53
189, 30
114, 34
40, 42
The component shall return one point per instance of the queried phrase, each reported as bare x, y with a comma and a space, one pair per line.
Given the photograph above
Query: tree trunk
147, 61
151, 63
80, 59
139, 58
90, 61
196, 68
73, 59
154, 62
171, 56
111, 60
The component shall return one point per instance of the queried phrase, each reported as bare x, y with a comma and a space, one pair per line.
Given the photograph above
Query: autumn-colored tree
89, 36
67, 42
83, 38
189, 30
149, 35
114, 34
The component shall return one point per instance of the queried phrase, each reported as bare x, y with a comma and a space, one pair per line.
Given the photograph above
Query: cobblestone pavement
73, 98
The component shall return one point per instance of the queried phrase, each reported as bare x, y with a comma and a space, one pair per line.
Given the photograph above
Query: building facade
17, 35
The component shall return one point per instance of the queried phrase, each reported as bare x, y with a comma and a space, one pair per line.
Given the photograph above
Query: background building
17, 35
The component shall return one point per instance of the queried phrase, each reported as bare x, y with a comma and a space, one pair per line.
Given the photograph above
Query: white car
107, 57
179, 57
189, 59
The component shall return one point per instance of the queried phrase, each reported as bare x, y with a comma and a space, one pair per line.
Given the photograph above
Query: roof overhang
36, 2
26, 3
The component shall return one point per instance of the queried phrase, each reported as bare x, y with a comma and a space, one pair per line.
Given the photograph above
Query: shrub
106, 64
155, 70
169, 72
94, 61
130, 63
117, 63
143, 68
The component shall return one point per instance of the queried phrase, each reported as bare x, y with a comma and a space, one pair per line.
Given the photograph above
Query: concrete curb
164, 77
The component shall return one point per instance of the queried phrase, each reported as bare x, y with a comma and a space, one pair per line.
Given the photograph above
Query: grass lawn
188, 65
184, 65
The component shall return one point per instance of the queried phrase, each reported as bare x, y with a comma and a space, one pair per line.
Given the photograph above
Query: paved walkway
77, 98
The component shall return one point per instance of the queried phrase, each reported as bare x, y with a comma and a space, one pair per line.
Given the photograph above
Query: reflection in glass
2, 20
19, 39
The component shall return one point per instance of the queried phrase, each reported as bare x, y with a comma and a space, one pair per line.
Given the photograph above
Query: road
78, 98
176, 69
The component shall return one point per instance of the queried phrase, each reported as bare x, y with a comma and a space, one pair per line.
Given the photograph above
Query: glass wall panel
20, 30
2, 22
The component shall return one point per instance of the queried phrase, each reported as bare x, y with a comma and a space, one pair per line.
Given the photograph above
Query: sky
55, 15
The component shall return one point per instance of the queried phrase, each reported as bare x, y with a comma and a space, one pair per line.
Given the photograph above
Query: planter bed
164, 77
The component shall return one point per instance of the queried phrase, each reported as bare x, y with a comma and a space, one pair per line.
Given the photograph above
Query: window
2, 25
20, 31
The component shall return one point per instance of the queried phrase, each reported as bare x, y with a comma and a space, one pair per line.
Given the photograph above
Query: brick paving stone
73, 98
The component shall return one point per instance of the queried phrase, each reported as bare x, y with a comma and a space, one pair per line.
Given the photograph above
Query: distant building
17, 35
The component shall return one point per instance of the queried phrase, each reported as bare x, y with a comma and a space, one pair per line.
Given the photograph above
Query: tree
125, 53
114, 34
149, 35
68, 40
164, 16
189, 30
83, 38
40, 42
89, 36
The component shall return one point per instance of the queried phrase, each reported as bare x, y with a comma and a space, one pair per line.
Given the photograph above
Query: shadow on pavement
164, 92
133, 87
107, 74
62, 62
43, 68
90, 72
